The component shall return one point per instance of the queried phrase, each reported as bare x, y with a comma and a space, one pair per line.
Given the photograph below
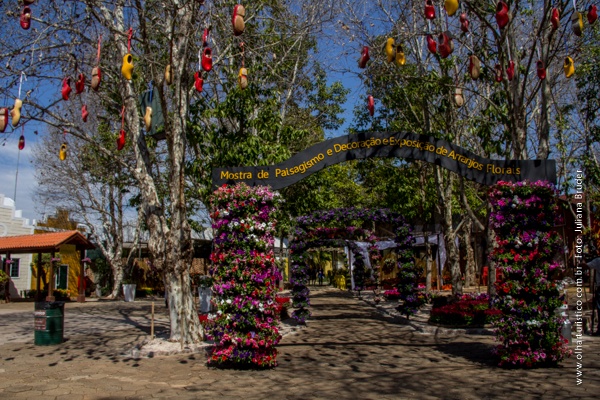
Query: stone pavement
348, 350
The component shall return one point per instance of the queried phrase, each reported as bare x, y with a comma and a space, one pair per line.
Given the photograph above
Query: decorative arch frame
343, 227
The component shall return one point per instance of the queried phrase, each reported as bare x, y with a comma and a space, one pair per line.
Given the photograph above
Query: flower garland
342, 227
245, 274
527, 252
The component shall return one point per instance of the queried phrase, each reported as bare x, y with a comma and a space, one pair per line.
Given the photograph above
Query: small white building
12, 223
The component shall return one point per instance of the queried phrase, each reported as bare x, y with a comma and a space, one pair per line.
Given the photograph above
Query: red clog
364, 57
198, 81
84, 113
445, 44
464, 22
429, 9
66, 88
510, 70
371, 105
80, 84
121, 140
502, 14
498, 73
555, 19
592, 14
21, 142
541, 70
431, 44
25, 19
207, 59
205, 38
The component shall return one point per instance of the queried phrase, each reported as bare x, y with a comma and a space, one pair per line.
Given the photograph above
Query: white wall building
12, 223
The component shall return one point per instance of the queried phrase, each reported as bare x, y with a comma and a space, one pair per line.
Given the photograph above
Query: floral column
527, 252
245, 277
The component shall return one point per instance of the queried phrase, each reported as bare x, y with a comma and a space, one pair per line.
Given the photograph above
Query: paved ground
347, 351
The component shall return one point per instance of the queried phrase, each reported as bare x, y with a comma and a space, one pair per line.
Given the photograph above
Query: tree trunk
470, 267
445, 183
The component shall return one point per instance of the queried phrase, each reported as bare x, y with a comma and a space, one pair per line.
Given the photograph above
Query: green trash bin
49, 322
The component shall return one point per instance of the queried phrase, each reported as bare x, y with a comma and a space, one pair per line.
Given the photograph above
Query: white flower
228, 301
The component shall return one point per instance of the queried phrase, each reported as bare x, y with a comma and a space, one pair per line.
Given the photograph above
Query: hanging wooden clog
364, 57
389, 49
555, 18
147, 113
464, 22
510, 70
207, 59
474, 66
577, 23
237, 20
592, 14
502, 14
429, 10
62, 154
121, 138
25, 19
84, 113
198, 81
66, 88
569, 67
371, 105
459, 100
498, 73
80, 84
243, 78
3, 119
541, 70
15, 113
127, 67
96, 72
451, 7
400, 56
445, 44
21, 142
431, 44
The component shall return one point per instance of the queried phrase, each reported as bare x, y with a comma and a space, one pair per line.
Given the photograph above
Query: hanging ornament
80, 84
66, 88
207, 59
400, 56
459, 100
62, 154
3, 119
127, 67
28, 2
451, 7
21, 142
541, 70
569, 67
429, 10
25, 19
168, 75
237, 20
371, 105
431, 44
446, 46
96, 73
464, 22
198, 81
84, 113
474, 66
205, 37
592, 14
498, 73
243, 78
364, 57
502, 14
555, 18
510, 70
15, 113
147, 113
390, 51
121, 138
577, 23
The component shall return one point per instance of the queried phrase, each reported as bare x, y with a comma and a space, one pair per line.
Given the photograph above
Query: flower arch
344, 227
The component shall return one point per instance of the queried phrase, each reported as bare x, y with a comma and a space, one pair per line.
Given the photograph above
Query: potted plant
129, 289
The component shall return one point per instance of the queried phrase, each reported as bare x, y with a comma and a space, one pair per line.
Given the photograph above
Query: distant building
12, 223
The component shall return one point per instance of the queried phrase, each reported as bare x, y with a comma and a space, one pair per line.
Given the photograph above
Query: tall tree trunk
445, 182
470, 254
